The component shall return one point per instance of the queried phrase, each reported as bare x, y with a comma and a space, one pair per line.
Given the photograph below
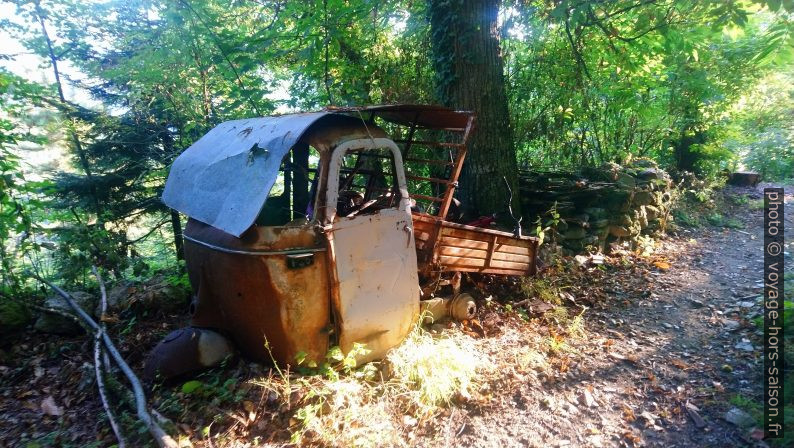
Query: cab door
372, 251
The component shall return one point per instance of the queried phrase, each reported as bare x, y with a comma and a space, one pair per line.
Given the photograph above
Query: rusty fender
186, 350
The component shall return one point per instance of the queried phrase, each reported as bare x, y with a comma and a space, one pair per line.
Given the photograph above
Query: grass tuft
435, 369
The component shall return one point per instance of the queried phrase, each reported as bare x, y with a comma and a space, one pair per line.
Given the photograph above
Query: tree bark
176, 227
470, 75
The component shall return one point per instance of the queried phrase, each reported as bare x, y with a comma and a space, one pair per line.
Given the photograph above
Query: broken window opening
291, 199
367, 182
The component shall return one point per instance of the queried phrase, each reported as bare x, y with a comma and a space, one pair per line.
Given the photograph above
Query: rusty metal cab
301, 229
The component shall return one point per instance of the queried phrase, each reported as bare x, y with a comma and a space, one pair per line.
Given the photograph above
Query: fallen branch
101, 386
160, 436
45, 309
98, 361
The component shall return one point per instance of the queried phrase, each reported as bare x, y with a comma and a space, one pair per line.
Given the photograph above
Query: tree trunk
685, 158
176, 226
470, 75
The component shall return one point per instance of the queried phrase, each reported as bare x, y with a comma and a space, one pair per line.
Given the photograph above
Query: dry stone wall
598, 206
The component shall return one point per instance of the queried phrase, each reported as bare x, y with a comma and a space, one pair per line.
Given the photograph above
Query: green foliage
696, 85
685, 218
337, 362
764, 131
615, 79
540, 289
718, 220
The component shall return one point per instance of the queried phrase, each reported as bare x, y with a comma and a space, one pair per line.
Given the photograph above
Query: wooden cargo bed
447, 246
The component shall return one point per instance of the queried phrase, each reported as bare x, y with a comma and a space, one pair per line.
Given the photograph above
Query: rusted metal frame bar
255, 252
334, 302
435, 239
426, 198
409, 141
429, 143
429, 179
430, 161
486, 270
459, 158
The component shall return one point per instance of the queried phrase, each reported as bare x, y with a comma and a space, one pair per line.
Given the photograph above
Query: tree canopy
696, 85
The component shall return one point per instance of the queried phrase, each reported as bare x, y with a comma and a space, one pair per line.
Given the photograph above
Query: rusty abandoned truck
305, 232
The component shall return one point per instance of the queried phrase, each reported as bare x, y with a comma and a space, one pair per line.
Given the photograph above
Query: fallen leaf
757, 434
49, 407
109, 318
680, 364
628, 414
663, 265
628, 435
565, 364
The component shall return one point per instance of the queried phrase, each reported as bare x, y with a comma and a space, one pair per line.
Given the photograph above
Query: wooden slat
422, 226
492, 271
453, 262
464, 243
484, 235
512, 249
462, 252
502, 256
483, 254
483, 245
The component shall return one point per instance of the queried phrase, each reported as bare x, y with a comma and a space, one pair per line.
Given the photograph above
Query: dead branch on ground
160, 436
98, 360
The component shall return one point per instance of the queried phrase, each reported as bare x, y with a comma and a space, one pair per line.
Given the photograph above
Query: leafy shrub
772, 154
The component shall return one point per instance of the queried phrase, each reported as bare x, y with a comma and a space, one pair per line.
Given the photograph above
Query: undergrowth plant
345, 404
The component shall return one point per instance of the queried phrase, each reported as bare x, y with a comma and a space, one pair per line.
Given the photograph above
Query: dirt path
688, 340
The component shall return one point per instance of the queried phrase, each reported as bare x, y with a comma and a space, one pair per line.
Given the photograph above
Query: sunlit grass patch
417, 378
756, 204
540, 289
346, 412
557, 344
576, 326
435, 370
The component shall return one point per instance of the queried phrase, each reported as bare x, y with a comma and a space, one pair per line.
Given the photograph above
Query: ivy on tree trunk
470, 75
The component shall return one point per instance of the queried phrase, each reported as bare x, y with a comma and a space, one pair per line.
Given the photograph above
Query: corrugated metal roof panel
224, 178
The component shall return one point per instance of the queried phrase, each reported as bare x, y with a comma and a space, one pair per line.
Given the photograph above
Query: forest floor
656, 350
665, 359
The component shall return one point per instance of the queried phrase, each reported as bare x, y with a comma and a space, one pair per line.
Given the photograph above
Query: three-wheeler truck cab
301, 236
